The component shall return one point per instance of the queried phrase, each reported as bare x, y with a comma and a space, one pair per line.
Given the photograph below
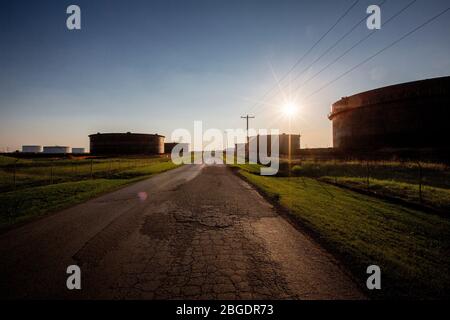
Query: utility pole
248, 117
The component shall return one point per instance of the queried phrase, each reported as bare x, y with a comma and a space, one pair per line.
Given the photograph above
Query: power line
331, 47
355, 45
380, 51
308, 52
335, 44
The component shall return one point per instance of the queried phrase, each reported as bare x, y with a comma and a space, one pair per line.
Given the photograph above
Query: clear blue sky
155, 66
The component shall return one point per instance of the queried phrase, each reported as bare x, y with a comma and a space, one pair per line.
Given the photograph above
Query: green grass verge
19, 206
4, 160
248, 167
434, 197
157, 167
411, 247
27, 203
432, 174
19, 173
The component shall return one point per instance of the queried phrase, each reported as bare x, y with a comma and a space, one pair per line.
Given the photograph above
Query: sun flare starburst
289, 109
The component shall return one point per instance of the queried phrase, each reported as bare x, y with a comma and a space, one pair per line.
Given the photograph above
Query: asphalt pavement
195, 232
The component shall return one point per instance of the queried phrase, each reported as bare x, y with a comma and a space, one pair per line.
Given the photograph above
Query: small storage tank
56, 149
31, 149
78, 150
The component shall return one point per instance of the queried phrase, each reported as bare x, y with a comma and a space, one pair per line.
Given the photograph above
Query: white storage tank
56, 149
31, 149
78, 150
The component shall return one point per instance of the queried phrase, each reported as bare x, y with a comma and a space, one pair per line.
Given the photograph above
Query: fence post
14, 173
92, 170
335, 171
420, 181
51, 172
368, 175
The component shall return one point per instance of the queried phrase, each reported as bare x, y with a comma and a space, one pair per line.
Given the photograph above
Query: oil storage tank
78, 150
31, 149
56, 149
126, 143
408, 115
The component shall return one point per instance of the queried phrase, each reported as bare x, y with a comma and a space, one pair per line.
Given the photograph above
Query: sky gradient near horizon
155, 66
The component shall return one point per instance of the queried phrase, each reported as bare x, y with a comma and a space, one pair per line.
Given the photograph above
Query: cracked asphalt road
196, 232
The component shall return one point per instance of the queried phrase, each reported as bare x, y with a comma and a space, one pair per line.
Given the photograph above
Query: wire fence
410, 182
422, 184
26, 173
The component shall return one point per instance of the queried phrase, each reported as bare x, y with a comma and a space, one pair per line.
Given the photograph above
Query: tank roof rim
126, 133
344, 108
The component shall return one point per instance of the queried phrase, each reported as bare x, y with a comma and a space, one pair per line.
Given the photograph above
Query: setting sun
289, 109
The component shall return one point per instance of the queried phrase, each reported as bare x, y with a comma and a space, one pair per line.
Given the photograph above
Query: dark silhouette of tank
288, 144
168, 146
408, 115
284, 140
126, 143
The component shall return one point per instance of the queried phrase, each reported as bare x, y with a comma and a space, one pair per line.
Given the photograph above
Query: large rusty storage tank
408, 115
126, 143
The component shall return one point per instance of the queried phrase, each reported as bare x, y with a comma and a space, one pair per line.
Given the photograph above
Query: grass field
410, 246
46, 185
426, 184
24, 173
433, 197
432, 174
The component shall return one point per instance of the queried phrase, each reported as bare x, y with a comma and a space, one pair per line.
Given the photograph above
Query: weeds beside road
16, 174
31, 188
419, 184
410, 246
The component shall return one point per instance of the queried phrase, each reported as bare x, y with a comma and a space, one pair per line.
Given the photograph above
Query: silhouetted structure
31, 149
409, 115
283, 143
56, 149
126, 143
78, 150
168, 146
257, 142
